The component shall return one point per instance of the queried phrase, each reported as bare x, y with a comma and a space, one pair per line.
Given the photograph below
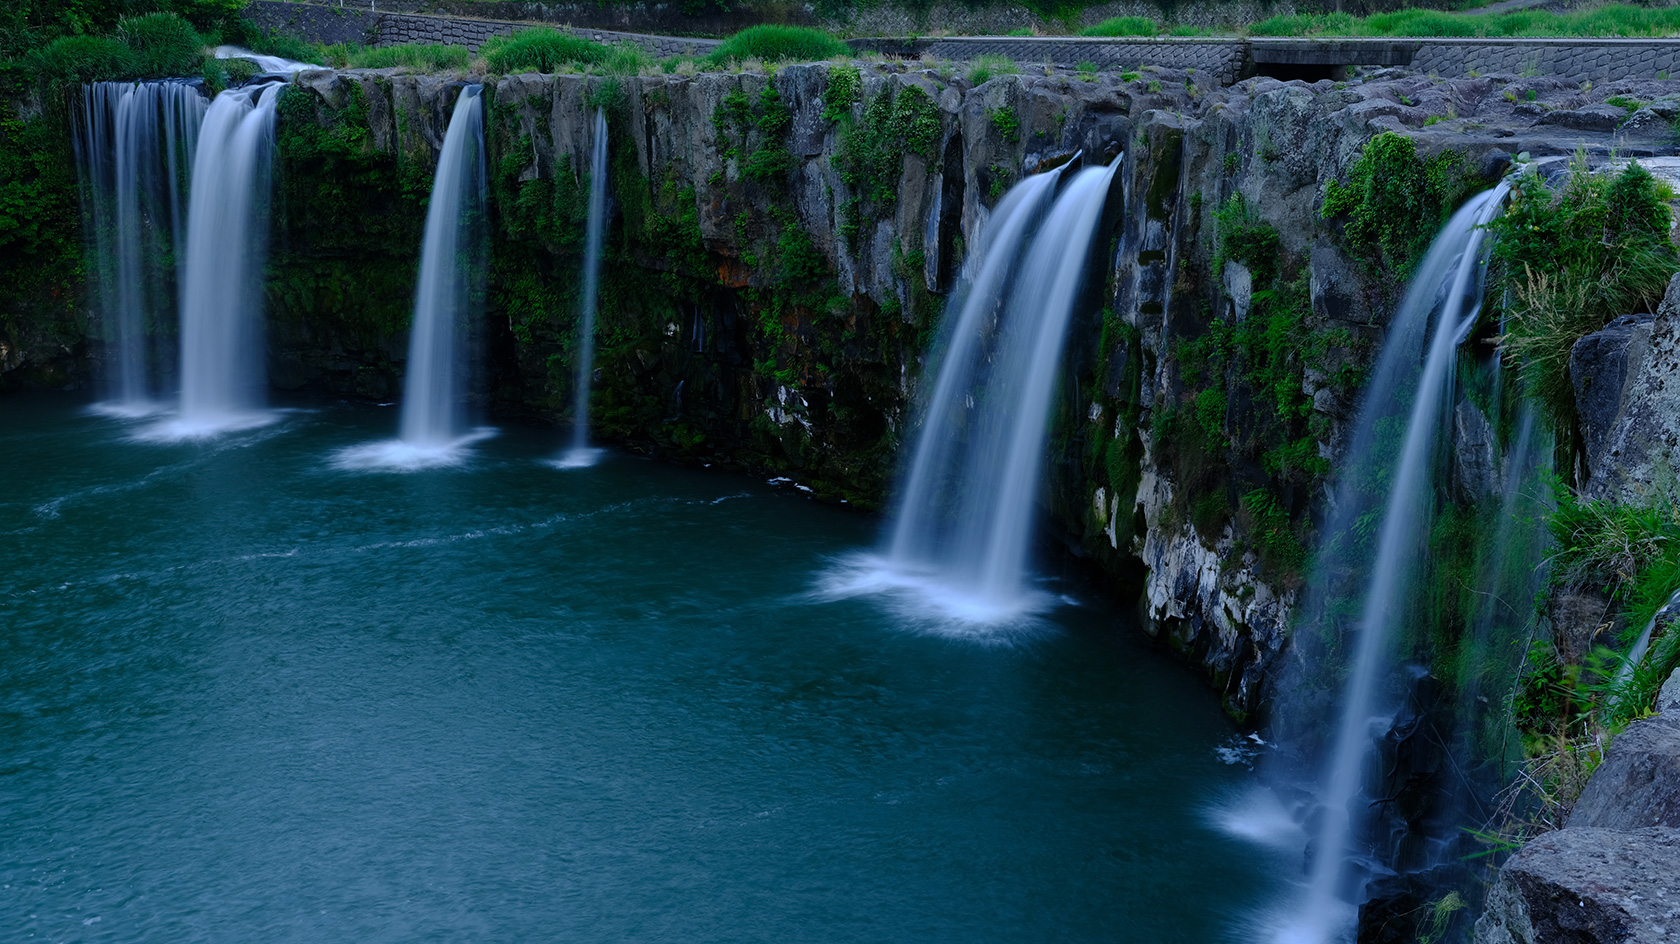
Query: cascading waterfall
128, 144
222, 374
447, 294
964, 514
1447, 286
580, 455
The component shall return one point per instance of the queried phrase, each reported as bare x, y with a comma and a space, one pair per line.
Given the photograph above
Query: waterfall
222, 373
964, 513
580, 455
447, 296
128, 145
1448, 287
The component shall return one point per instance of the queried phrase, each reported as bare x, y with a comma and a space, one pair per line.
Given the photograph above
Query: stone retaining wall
1223, 60
398, 28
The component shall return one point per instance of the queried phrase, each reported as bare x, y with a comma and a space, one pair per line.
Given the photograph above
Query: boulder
1669, 698
1599, 367
1583, 885
1636, 452
1638, 784
1601, 118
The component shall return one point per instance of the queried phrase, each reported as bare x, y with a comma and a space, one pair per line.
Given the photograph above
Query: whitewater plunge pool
248, 696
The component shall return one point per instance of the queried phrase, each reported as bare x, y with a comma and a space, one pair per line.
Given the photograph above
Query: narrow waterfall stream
131, 143
580, 454
223, 379
448, 296
963, 525
1447, 292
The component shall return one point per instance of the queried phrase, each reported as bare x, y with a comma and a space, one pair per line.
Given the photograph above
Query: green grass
1614, 20
1123, 26
427, 57
156, 45
777, 44
1570, 260
540, 49
983, 69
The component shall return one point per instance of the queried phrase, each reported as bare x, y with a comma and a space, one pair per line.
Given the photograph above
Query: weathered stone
1583, 886
1638, 784
1601, 118
1638, 450
1579, 622
1669, 698
1599, 367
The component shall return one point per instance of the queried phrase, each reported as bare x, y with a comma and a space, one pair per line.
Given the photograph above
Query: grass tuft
777, 44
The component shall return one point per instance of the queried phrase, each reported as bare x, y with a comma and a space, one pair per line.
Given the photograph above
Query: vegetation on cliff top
1569, 261
1610, 20
777, 44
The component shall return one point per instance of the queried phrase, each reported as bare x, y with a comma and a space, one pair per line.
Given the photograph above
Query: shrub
987, 67
164, 44
1394, 201
1570, 261
427, 57
85, 59
778, 44
540, 49
1122, 26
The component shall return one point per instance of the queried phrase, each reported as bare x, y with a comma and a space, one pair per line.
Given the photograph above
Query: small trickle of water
580, 455
222, 373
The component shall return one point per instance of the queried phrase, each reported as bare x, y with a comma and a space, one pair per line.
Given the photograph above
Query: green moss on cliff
1395, 201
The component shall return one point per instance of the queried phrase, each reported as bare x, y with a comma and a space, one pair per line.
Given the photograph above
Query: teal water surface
248, 696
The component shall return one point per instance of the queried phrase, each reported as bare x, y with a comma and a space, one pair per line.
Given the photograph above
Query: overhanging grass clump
426, 57
157, 45
1123, 26
778, 44
1614, 20
1569, 261
540, 49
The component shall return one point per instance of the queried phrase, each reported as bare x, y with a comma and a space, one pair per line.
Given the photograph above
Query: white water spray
580, 454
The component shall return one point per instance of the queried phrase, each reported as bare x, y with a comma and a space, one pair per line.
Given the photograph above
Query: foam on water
926, 602
581, 457
186, 428
400, 455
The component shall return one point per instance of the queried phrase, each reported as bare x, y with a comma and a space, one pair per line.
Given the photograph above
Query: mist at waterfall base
965, 508
253, 695
223, 379
1411, 391
134, 142
448, 297
580, 455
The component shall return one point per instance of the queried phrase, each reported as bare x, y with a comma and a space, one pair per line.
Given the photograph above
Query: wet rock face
1600, 366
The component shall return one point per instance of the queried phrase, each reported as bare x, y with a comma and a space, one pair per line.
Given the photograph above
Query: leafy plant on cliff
871, 152
1394, 202
845, 86
1571, 260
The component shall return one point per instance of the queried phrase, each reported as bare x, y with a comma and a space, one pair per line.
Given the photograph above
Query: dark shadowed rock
1601, 118
1583, 886
1638, 784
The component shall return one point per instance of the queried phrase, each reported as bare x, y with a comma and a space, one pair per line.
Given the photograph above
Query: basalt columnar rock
782, 246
